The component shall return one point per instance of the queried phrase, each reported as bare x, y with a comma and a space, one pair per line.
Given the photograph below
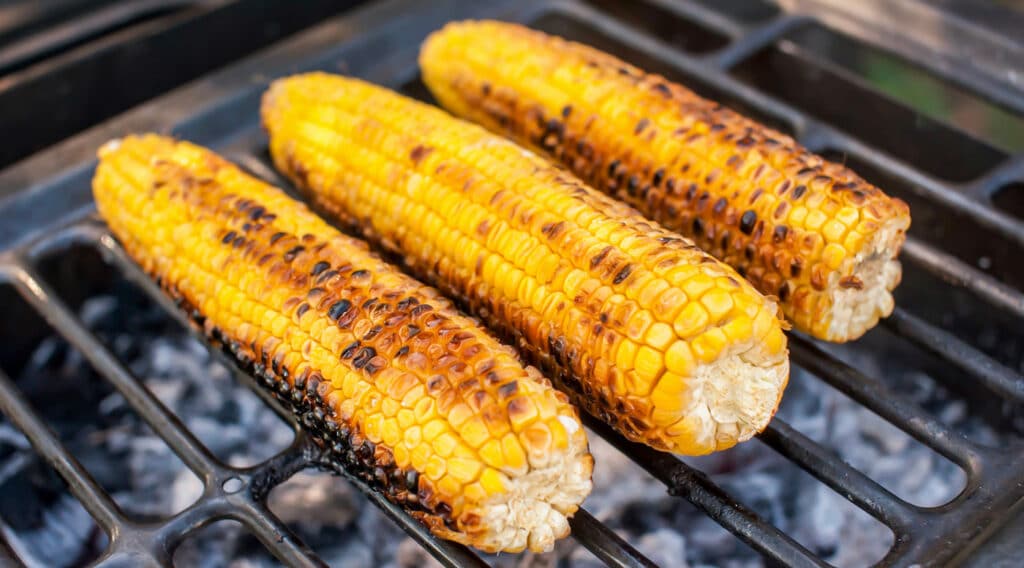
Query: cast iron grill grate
51, 215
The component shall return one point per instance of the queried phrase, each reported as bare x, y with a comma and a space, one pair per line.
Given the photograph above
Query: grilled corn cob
646, 331
400, 388
809, 232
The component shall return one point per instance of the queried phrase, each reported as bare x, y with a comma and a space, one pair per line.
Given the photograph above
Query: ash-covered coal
48, 528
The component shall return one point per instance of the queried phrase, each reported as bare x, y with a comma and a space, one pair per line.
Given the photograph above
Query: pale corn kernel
679, 359
492, 481
709, 345
798, 216
436, 468
458, 414
449, 485
649, 362
392, 433
475, 432
834, 230
475, 492
420, 455
660, 335
763, 323
775, 341
464, 470
696, 285
854, 240
491, 453
445, 444
515, 458
433, 429
625, 355
401, 455
834, 255
538, 441
718, 303
691, 321
413, 436
671, 395
523, 415
815, 220
739, 328
848, 216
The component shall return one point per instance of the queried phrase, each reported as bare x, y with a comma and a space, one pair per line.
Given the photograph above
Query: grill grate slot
741, 38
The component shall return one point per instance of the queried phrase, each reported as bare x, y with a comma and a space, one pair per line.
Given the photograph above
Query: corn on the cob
413, 397
649, 333
812, 233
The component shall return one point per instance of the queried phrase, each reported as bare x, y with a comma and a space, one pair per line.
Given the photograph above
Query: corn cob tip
731, 398
864, 296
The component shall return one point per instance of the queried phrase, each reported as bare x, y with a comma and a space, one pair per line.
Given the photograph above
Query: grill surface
945, 300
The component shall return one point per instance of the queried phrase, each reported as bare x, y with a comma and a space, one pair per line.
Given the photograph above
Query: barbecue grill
959, 315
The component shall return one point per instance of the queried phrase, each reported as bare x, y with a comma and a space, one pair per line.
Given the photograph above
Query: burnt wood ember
930, 402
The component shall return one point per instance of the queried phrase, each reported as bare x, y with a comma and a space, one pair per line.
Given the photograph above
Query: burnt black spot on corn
686, 356
464, 464
634, 122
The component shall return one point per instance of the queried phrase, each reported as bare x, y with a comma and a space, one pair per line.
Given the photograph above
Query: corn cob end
864, 296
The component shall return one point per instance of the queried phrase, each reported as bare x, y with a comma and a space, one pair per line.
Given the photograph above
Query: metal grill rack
49, 211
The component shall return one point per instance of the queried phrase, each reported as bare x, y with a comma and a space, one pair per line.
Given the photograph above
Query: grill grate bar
1008, 171
946, 346
82, 485
755, 40
163, 422
849, 482
873, 394
958, 273
694, 486
609, 547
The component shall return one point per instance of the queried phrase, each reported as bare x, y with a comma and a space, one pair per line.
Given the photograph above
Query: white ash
346, 530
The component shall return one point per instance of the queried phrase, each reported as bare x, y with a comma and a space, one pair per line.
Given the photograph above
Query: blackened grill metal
52, 211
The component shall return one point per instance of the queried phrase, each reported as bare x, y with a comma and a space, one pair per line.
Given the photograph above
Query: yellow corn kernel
649, 362
709, 344
692, 320
515, 458
718, 303
679, 359
492, 481
660, 335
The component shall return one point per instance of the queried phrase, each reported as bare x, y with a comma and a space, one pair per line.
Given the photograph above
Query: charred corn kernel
734, 186
373, 360
606, 324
